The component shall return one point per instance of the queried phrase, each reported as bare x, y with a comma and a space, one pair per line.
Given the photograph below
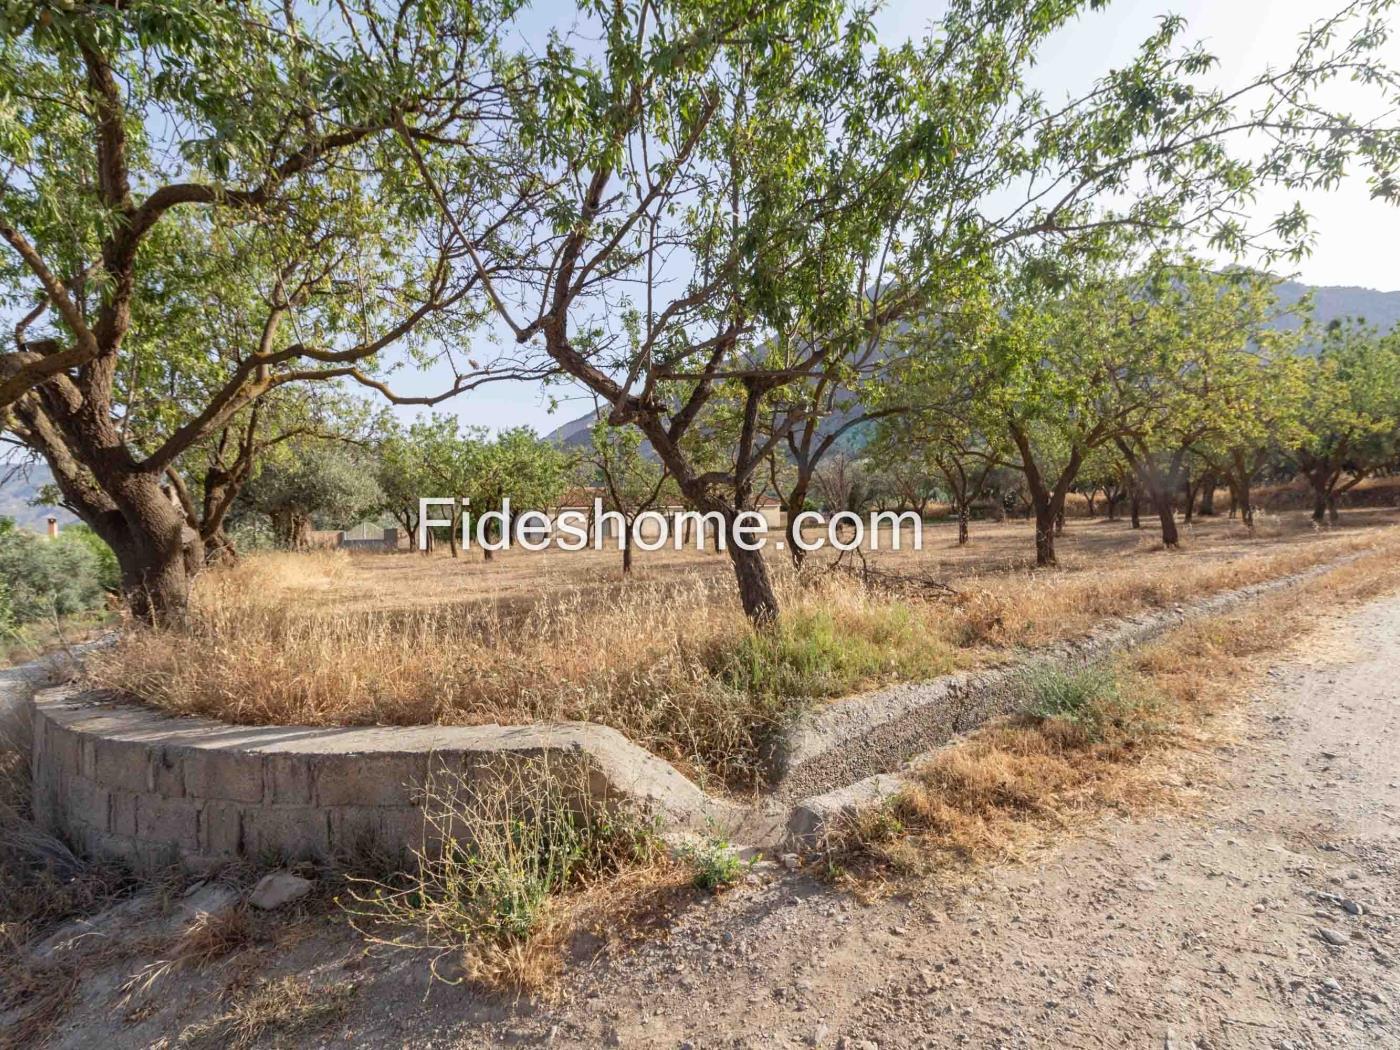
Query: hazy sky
1357, 237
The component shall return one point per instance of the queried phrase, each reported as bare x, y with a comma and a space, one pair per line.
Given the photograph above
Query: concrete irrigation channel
123, 781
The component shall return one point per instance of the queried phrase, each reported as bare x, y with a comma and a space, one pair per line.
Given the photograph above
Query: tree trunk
1245, 500
300, 538
1170, 537
219, 548
1332, 516
1135, 509
626, 559
962, 522
147, 534
755, 586
1044, 533
1060, 521
796, 503
1319, 513
1208, 484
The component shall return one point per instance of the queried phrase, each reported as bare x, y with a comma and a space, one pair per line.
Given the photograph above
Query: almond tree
738, 201
1350, 415
1189, 350
634, 482
213, 161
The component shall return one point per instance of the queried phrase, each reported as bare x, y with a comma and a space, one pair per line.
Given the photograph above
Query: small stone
1351, 907
277, 889
1332, 937
821, 1035
790, 861
1330, 984
209, 900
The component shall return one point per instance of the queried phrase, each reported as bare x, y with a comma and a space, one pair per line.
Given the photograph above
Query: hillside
18, 490
1335, 302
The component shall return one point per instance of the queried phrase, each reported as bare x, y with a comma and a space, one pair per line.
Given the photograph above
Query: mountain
1336, 302
1330, 303
574, 433
19, 485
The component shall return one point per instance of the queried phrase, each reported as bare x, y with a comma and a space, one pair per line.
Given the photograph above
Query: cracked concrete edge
815, 818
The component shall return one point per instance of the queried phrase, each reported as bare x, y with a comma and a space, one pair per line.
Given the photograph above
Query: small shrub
44, 579
715, 862
109, 573
496, 857
1091, 699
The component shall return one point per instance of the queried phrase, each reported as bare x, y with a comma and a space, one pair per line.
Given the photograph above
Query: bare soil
1208, 922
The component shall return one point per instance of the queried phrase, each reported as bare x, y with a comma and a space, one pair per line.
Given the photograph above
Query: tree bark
756, 593
147, 534
796, 503
1044, 534
1245, 498
962, 523
1208, 484
1167, 515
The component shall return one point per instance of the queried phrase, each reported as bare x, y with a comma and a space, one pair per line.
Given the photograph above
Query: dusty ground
1206, 924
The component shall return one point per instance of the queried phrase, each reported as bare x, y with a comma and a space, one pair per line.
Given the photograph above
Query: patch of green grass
814, 653
715, 862
1094, 699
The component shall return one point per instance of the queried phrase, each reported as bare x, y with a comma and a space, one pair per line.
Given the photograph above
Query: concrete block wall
122, 781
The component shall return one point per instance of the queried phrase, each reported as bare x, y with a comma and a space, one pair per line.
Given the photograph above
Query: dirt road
1264, 912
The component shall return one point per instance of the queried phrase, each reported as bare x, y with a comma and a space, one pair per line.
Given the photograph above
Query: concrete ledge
850, 740
121, 780
914, 721
124, 781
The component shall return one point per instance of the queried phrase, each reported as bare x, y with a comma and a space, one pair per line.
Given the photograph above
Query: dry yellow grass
330, 638
281, 1011
1017, 783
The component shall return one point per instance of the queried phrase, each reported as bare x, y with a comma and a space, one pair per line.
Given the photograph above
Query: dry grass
288, 1010
1098, 740
329, 638
30, 642
211, 937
